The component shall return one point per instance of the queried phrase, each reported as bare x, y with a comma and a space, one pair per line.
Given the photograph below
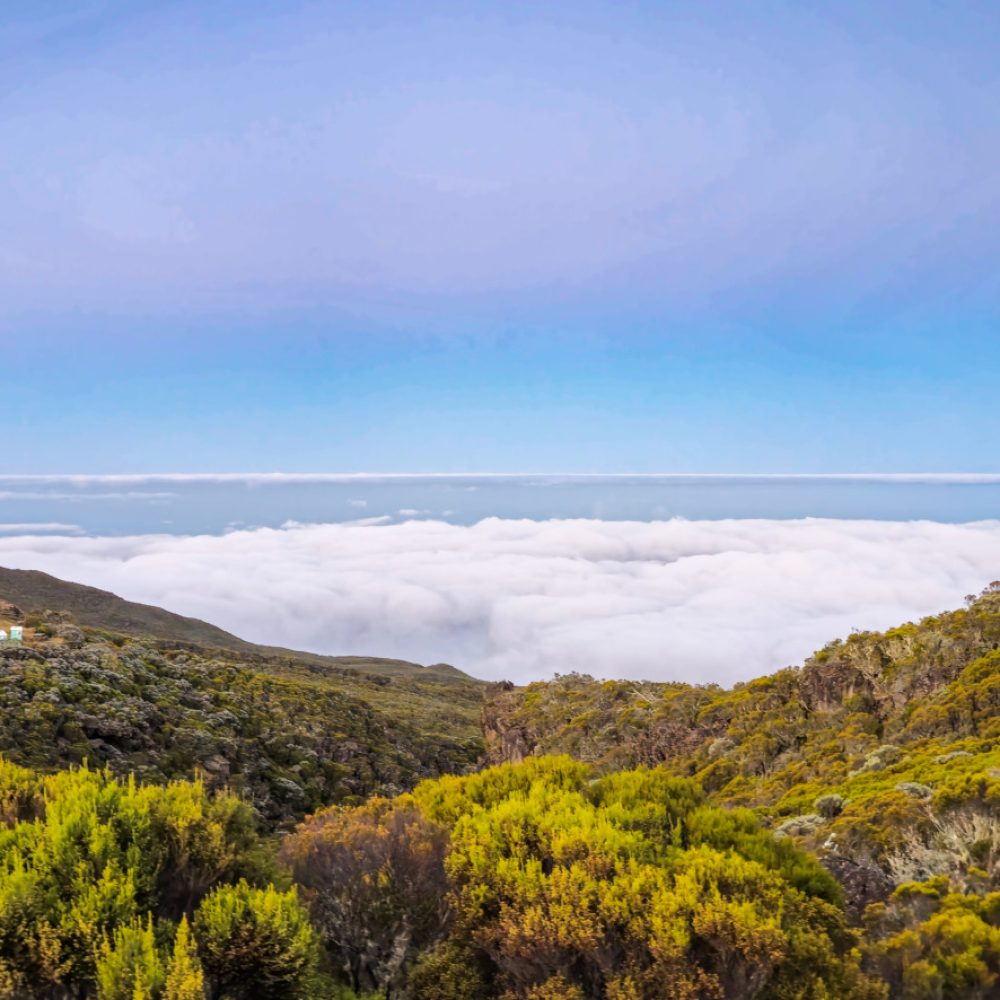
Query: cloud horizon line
83, 478
26, 529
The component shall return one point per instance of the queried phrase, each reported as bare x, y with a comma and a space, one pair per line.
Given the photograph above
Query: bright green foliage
256, 944
130, 968
629, 887
562, 886
90, 887
930, 943
185, 980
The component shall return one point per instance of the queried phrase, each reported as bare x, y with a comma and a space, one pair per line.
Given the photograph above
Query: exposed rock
51, 617
667, 739
70, 635
107, 728
22, 653
506, 741
217, 766
862, 883
287, 788
10, 612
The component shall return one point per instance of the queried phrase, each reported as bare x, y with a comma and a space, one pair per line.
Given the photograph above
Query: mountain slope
882, 752
880, 757
291, 733
35, 591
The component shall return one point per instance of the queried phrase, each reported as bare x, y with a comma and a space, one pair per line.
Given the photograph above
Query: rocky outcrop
507, 742
883, 672
669, 739
10, 612
863, 883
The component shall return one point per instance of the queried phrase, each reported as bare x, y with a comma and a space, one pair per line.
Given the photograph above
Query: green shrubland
117, 891
558, 884
288, 736
830, 832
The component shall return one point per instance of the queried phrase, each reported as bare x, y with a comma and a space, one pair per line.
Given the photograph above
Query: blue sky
584, 237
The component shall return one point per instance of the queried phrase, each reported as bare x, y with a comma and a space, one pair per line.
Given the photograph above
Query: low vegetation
287, 736
118, 891
825, 833
882, 752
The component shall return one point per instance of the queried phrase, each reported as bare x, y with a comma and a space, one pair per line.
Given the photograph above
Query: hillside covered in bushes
881, 753
181, 822
289, 735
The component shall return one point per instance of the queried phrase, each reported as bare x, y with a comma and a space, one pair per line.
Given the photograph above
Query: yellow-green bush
95, 873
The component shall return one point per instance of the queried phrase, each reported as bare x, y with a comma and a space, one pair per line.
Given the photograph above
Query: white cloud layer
692, 600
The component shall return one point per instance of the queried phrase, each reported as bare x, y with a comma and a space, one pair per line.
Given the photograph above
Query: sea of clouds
693, 600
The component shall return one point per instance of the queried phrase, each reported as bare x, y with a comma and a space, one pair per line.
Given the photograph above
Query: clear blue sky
563, 236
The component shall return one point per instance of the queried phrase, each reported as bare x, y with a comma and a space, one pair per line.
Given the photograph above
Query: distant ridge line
34, 591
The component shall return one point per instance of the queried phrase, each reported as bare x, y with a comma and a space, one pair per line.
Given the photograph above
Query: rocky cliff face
855, 672
506, 741
888, 670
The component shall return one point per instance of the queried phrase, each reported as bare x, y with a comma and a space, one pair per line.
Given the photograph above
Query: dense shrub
288, 736
560, 886
375, 881
931, 943
829, 806
557, 879
255, 944
92, 887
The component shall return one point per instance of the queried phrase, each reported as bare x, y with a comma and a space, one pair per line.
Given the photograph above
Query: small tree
375, 879
186, 980
255, 944
130, 967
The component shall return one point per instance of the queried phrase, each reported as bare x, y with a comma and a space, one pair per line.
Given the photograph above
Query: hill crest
34, 592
